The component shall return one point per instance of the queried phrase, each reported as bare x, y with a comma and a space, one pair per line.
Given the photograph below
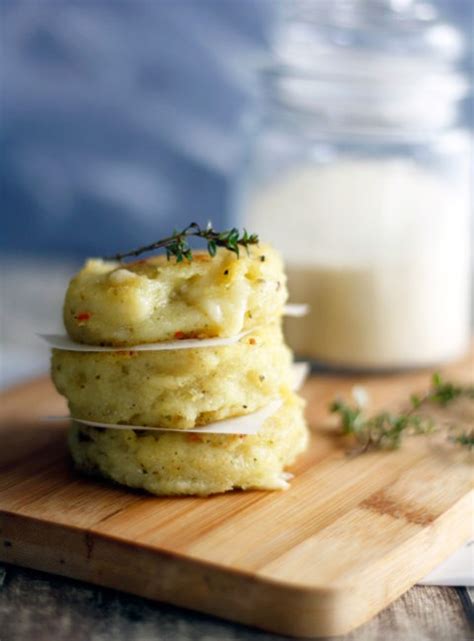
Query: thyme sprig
177, 244
386, 430
465, 439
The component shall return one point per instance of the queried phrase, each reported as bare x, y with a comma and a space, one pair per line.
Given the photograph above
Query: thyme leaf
177, 244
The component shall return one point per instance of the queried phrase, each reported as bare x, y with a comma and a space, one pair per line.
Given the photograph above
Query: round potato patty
155, 300
169, 463
175, 388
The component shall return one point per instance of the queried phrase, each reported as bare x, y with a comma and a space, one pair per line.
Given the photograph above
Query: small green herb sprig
386, 430
177, 244
466, 439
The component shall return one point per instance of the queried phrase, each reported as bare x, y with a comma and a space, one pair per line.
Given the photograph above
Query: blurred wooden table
42, 607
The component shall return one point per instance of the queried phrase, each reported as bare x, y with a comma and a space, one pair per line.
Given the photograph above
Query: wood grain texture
350, 536
42, 607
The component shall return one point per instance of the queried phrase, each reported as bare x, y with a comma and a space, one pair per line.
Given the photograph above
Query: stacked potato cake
156, 301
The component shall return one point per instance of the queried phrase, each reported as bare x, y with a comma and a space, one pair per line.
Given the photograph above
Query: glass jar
359, 175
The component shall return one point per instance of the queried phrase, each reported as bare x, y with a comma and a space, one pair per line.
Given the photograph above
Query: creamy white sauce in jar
380, 251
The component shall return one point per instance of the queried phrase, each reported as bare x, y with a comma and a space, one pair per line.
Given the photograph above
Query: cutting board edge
210, 589
288, 608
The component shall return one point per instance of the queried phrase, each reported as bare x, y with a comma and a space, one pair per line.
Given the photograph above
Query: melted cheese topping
157, 300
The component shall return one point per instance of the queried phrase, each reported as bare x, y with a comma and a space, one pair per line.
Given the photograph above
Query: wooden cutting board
351, 534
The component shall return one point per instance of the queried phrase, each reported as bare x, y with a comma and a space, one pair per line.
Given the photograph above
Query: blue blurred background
123, 118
